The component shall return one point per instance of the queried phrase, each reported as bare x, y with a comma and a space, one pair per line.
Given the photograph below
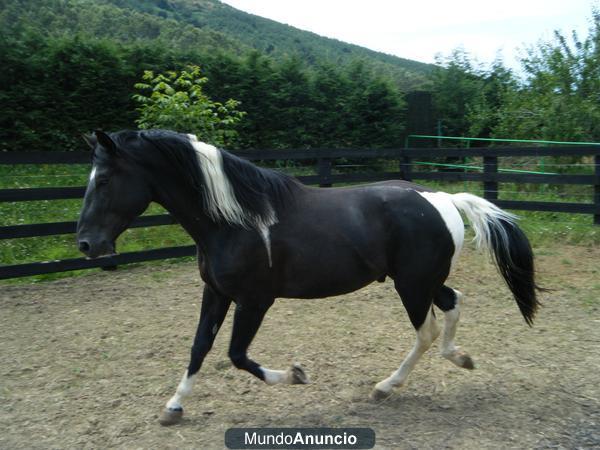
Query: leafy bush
176, 102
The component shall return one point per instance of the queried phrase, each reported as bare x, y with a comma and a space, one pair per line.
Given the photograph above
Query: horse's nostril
84, 246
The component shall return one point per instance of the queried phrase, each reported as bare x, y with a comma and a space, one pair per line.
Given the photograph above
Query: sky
421, 29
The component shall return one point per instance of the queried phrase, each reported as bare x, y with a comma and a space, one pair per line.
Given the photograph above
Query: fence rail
490, 177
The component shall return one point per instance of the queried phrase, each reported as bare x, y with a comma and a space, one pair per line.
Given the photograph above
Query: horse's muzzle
98, 249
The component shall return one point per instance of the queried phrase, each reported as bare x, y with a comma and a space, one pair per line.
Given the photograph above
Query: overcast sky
421, 29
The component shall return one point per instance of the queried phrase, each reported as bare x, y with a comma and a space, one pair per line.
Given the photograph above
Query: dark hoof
378, 395
297, 375
466, 362
170, 416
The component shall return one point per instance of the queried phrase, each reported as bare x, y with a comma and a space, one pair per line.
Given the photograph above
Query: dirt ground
89, 362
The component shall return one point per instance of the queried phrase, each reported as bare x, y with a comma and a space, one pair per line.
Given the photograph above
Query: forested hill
201, 25
275, 38
70, 66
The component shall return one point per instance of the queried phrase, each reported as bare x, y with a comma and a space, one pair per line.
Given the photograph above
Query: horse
261, 235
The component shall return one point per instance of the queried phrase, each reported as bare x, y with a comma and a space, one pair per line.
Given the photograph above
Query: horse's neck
187, 210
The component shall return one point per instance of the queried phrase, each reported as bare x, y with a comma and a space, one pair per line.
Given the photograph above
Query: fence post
405, 166
490, 188
324, 172
597, 188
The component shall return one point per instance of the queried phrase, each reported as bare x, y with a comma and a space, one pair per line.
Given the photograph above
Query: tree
54, 89
484, 112
329, 91
253, 83
559, 99
177, 102
292, 105
373, 111
456, 84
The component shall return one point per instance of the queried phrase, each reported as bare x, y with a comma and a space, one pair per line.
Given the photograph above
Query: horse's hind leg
418, 304
213, 312
448, 300
246, 321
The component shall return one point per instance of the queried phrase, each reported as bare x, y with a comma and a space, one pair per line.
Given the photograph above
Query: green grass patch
48, 248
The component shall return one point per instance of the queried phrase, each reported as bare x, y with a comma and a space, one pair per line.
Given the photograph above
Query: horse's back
414, 232
402, 184
340, 239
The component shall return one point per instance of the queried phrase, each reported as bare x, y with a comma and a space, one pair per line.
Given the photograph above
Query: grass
25, 250
542, 228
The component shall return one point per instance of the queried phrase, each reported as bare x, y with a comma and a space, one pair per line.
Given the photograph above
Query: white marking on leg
293, 375
93, 174
275, 376
450, 323
183, 390
448, 349
443, 203
425, 337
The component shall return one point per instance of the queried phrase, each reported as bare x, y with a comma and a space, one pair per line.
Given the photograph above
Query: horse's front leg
213, 312
246, 321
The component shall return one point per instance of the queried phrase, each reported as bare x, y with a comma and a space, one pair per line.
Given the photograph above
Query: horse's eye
102, 181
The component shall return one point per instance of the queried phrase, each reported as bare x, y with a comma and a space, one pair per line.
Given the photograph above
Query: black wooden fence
490, 177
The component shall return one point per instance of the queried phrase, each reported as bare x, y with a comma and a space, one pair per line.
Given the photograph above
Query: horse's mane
230, 188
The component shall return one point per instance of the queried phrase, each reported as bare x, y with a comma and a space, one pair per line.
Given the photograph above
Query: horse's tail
497, 231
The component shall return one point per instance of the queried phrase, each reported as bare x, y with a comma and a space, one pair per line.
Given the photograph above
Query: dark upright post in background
324, 172
597, 189
490, 187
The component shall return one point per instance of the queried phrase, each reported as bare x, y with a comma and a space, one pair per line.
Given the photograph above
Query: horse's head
118, 191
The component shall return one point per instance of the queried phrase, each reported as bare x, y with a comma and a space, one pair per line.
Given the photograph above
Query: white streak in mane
220, 197
266, 237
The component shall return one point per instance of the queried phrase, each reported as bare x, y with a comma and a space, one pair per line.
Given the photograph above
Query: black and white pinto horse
261, 235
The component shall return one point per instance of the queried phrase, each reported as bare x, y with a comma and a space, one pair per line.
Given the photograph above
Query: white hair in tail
485, 218
509, 247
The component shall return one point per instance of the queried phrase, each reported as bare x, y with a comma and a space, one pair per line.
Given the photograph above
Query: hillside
201, 24
72, 65
274, 38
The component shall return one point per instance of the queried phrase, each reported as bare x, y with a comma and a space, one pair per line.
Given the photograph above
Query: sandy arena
88, 362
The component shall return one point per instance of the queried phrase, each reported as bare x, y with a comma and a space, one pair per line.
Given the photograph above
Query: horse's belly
322, 272
318, 289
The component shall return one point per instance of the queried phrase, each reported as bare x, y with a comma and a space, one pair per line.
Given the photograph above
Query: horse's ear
105, 141
90, 140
